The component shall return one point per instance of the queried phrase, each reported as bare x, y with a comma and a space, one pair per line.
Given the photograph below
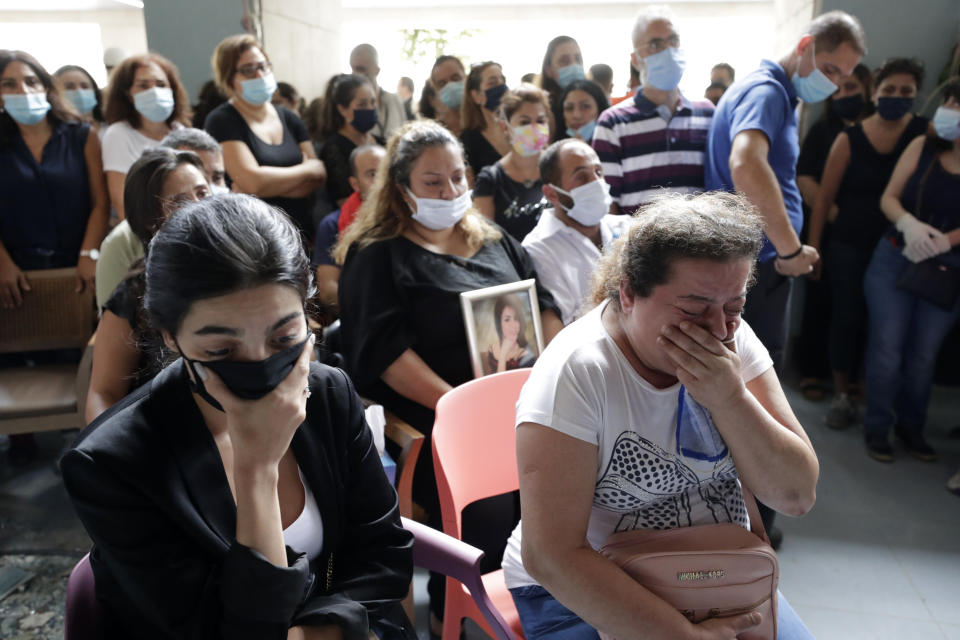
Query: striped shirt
644, 150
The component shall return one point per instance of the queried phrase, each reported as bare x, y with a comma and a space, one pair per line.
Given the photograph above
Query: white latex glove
918, 237
942, 243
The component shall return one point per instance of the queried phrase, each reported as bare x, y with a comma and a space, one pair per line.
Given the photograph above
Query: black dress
811, 350
517, 206
480, 153
225, 124
395, 295
853, 236
336, 158
124, 303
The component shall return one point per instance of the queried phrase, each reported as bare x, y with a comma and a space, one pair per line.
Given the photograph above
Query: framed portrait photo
503, 327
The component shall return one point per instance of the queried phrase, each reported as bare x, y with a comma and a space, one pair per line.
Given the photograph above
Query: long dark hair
547, 83
512, 301
97, 112
339, 92
933, 141
591, 88
144, 184
60, 110
219, 245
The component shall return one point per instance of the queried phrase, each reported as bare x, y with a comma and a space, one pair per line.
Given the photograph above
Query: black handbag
932, 280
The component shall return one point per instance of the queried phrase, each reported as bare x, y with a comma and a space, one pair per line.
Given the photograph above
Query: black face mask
891, 108
494, 96
848, 108
248, 380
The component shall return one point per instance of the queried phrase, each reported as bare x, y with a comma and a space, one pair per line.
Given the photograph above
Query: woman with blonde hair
415, 246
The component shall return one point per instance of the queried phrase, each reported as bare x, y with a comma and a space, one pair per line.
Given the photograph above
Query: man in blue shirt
752, 147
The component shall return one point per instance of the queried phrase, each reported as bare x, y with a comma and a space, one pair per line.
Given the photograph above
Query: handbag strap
922, 185
756, 522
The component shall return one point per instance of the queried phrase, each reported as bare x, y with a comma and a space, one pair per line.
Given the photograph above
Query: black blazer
148, 483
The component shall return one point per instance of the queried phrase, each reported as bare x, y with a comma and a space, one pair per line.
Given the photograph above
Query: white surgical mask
217, 190
591, 202
946, 121
436, 214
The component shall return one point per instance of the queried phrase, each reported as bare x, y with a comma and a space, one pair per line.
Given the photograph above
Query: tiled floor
878, 557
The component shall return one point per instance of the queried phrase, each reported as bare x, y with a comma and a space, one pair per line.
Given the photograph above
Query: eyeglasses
251, 70
656, 45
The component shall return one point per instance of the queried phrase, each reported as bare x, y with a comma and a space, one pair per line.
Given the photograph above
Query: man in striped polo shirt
658, 138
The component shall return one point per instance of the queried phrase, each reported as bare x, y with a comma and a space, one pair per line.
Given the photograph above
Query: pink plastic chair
475, 457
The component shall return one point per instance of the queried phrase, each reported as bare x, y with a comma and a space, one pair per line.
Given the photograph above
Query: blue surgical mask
816, 87
364, 119
26, 108
452, 94
569, 73
493, 97
258, 91
664, 69
946, 122
154, 104
893, 108
585, 132
84, 100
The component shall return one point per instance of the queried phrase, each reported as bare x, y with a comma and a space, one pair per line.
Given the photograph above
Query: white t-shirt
565, 258
122, 146
651, 473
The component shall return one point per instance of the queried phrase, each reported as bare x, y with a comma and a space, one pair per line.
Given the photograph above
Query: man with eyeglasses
657, 139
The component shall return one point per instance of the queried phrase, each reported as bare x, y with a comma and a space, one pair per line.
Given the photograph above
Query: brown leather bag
709, 571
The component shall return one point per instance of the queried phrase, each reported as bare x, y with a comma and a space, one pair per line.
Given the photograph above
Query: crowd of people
665, 234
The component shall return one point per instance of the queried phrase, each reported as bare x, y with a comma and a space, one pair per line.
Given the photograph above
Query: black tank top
941, 193
860, 222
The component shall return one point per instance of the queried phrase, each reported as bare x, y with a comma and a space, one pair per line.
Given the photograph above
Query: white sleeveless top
305, 534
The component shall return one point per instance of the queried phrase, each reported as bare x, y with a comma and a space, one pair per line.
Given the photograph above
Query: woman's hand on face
12, 283
261, 430
707, 367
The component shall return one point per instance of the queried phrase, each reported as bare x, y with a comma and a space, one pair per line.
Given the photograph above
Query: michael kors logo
713, 574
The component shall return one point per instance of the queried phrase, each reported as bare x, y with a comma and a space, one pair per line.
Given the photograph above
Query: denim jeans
543, 617
904, 337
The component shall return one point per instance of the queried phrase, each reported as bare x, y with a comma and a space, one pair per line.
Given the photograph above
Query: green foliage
430, 44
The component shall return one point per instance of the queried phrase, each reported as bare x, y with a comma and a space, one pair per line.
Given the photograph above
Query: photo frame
513, 341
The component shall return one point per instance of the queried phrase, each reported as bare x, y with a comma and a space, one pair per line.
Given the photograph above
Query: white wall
63, 45
303, 40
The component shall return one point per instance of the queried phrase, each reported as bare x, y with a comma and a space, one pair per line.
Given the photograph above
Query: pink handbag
708, 571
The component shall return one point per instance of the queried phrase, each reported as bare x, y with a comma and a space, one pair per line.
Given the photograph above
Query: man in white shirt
567, 241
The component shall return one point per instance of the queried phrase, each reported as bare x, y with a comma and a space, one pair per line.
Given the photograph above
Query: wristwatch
93, 254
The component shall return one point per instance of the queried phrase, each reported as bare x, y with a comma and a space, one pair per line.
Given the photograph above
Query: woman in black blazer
239, 493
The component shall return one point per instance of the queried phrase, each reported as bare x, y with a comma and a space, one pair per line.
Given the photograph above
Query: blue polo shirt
765, 101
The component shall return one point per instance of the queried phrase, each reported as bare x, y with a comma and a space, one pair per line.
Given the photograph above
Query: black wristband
792, 255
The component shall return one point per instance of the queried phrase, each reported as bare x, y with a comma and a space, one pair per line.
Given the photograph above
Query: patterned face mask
530, 139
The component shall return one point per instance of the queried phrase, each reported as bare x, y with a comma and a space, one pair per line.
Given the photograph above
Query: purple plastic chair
436, 551
82, 618
432, 549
